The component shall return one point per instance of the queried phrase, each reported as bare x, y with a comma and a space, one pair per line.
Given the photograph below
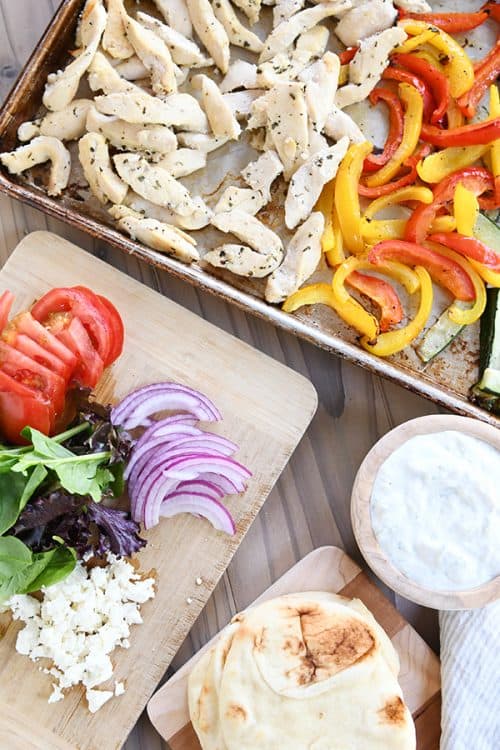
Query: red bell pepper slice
476, 179
6, 300
493, 9
407, 179
398, 74
444, 271
469, 135
485, 74
347, 55
396, 127
469, 247
436, 81
452, 23
382, 294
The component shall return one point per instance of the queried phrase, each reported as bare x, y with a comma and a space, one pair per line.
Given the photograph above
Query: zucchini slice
487, 231
440, 335
487, 391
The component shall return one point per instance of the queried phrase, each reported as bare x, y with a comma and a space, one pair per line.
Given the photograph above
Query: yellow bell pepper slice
465, 210
495, 146
347, 307
443, 224
401, 273
394, 341
409, 193
325, 204
411, 134
413, 42
336, 254
457, 313
378, 230
439, 165
314, 294
431, 55
458, 68
347, 197
487, 274
343, 74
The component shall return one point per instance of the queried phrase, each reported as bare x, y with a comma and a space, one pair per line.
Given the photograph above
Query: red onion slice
137, 408
170, 436
201, 485
186, 422
199, 504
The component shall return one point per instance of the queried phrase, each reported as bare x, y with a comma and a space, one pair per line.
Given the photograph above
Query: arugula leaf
12, 490
49, 568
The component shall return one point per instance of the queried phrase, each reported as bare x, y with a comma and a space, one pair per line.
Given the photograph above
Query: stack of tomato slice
67, 339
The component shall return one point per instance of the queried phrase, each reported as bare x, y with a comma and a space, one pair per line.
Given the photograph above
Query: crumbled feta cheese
80, 622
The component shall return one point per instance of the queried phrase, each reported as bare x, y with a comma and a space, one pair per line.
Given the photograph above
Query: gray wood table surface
309, 506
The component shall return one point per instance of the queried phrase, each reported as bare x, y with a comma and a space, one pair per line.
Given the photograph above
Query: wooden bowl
361, 516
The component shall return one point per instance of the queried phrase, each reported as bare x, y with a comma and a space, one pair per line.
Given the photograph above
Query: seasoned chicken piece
201, 141
61, 87
244, 199
183, 161
339, 124
250, 230
179, 110
240, 75
258, 117
94, 157
284, 9
240, 102
67, 124
364, 20
155, 55
183, 50
103, 77
199, 218
210, 31
114, 39
287, 125
289, 64
176, 14
284, 35
153, 183
368, 65
321, 85
41, 149
162, 237
261, 173
132, 69
301, 260
237, 33
251, 8
243, 261
308, 182
317, 142
414, 6
124, 135
222, 121
28, 130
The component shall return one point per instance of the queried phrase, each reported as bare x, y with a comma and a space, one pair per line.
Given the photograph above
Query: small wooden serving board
266, 408
326, 569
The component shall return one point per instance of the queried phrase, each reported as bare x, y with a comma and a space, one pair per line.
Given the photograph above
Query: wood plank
262, 402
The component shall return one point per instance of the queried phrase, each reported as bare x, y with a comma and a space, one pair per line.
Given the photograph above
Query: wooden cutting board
266, 408
326, 569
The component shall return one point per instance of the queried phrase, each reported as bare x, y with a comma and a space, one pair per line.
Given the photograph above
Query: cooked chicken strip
132, 69
103, 77
284, 35
28, 130
288, 65
261, 173
240, 102
258, 117
222, 121
155, 55
210, 31
162, 237
238, 34
242, 260
364, 20
251, 8
308, 182
156, 139
198, 219
41, 149
201, 141
339, 124
183, 50
240, 75
61, 87
179, 110
114, 39
284, 9
183, 161
287, 125
250, 230
153, 183
69, 123
176, 14
367, 65
94, 157
301, 260
414, 6
321, 86
317, 142
244, 199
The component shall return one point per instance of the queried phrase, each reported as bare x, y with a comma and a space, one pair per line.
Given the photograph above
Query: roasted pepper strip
347, 55
331, 240
314, 294
454, 116
485, 73
444, 272
346, 195
374, 230
456, 313
495, 146
404, 76
394, 341
444, 223
476, 179
468, 135
465, 210
409, 193
382, 294
458, 67
407, 179
396, 124
414, 41
348, 308
452, 23
411, 132
336, 254
469, 247
439, 165
487, 274
436, 82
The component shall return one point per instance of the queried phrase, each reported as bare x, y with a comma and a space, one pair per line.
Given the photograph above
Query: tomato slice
90, 366
114, 321
25, 370
80, 305
27, 346
18, 411
6, 300
26, 323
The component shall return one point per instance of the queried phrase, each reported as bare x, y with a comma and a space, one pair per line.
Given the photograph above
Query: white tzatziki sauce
435, 510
